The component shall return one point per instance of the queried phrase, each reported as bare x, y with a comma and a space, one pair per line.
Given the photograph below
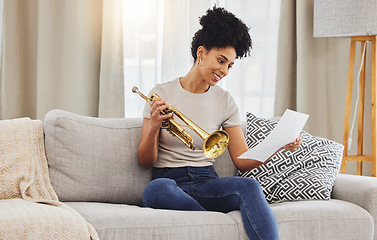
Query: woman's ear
199, 52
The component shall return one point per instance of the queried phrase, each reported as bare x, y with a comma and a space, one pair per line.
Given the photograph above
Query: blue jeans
200, 189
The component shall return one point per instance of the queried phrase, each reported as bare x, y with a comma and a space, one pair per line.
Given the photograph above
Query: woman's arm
237, 146
148, 147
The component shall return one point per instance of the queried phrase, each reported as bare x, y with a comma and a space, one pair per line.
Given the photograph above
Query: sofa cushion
309, 220
94, 159
307, 173
319, 219
121, 221
322, 219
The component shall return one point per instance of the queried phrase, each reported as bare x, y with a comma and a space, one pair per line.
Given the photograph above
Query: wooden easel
360, 157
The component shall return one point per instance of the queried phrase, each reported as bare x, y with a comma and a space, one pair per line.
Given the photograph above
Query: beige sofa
94, 169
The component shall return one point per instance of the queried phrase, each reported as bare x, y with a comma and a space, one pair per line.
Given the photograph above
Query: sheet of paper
286, 131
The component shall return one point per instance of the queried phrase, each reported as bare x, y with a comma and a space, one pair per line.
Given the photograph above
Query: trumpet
214, 144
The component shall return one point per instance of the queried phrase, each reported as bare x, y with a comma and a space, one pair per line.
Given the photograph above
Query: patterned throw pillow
307, 173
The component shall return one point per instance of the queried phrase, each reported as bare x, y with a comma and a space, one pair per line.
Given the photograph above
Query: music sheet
286, 131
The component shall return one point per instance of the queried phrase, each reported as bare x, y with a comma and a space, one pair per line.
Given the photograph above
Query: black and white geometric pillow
307, 173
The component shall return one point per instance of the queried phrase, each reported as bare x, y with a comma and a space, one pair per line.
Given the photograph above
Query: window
157, 38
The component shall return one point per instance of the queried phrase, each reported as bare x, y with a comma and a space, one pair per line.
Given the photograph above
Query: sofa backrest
95, 159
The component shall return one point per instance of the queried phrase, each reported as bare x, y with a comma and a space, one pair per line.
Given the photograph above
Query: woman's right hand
149, 142
157, 114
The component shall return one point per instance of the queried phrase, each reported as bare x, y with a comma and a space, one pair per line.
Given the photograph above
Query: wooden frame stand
360, 157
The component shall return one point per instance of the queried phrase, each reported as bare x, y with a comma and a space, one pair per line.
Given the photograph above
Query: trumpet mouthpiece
135, 89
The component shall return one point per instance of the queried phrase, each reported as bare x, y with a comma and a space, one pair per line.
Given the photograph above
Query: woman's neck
193, 82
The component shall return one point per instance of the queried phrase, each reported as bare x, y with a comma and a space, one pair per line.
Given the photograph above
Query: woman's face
215, 64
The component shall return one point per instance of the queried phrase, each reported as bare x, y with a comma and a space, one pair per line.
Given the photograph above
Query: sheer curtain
157, 39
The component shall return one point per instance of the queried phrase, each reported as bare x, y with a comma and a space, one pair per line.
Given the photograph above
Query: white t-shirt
211, 111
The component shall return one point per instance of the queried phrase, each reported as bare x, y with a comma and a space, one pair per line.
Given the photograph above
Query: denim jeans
200, 189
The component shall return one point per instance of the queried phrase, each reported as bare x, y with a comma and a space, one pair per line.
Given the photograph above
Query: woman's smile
217, 77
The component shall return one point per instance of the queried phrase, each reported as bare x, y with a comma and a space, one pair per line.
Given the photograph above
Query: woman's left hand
293, 146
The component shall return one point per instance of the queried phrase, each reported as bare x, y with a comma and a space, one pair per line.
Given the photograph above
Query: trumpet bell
215, 144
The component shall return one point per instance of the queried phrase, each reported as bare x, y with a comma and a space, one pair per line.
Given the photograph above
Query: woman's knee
247, 182
249, 185
160, 183
156, 189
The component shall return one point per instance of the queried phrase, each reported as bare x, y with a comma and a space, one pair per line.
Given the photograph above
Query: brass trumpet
214, 144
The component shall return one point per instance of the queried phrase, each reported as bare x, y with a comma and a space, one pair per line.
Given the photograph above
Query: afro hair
221, 29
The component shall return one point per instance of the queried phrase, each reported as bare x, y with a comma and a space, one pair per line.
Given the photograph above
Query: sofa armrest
360, 190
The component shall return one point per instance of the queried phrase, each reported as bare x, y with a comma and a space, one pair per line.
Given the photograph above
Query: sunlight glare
136, 9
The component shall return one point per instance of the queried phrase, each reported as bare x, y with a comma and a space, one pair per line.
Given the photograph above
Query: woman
184, 179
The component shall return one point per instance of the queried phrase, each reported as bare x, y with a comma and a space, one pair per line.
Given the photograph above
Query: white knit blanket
29, 206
